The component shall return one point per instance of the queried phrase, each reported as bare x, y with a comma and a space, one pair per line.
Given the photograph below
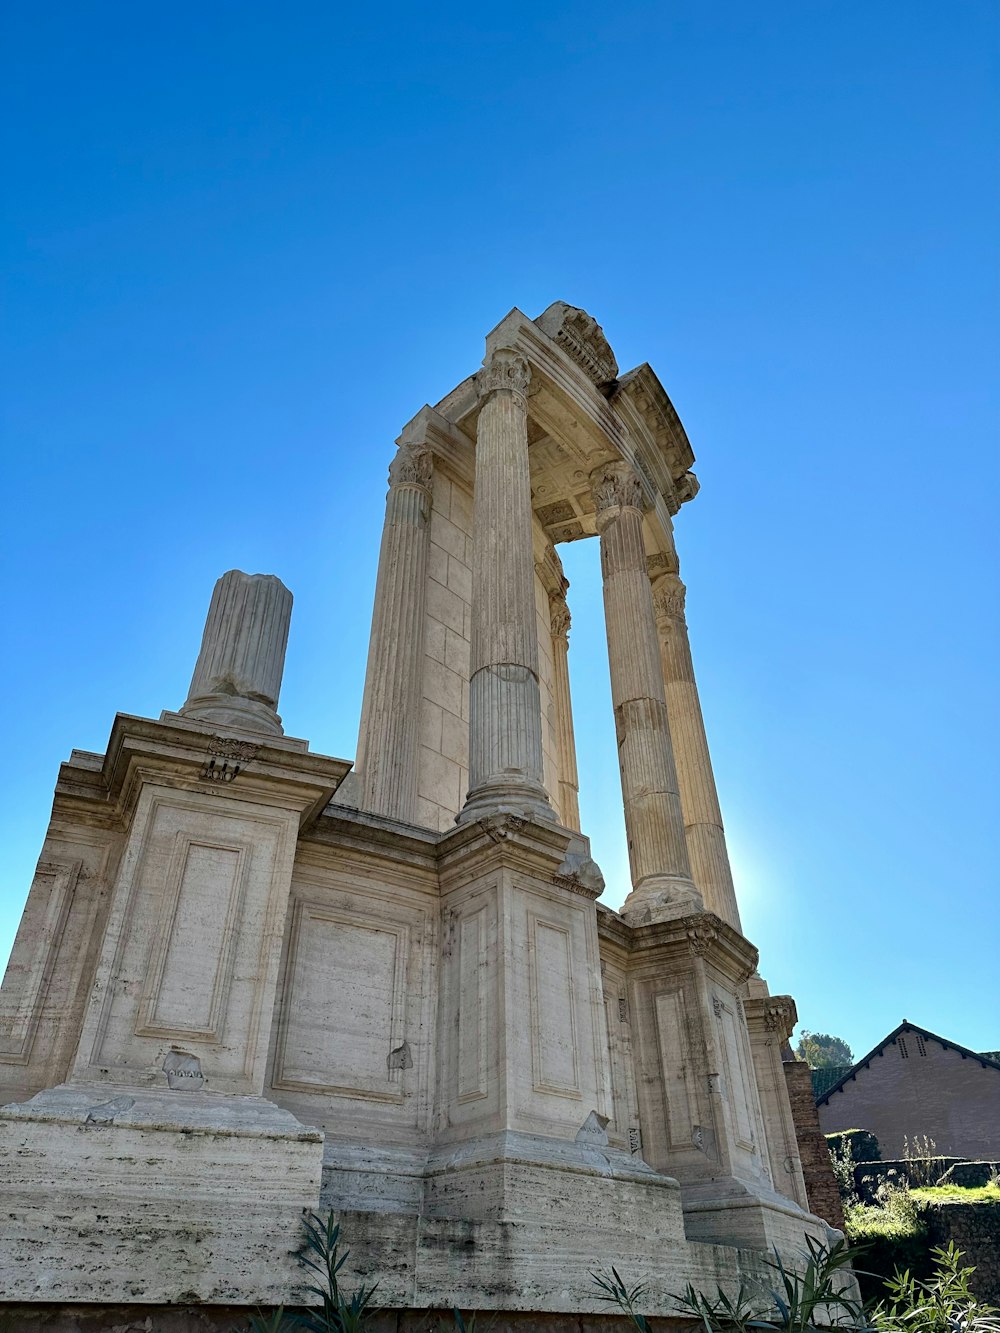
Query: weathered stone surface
240, 991
237, 677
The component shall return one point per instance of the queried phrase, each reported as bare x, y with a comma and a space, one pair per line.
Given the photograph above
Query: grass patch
957, 1194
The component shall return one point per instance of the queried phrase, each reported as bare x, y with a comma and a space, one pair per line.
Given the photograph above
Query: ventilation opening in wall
601, 816
921, 1048
904, 1054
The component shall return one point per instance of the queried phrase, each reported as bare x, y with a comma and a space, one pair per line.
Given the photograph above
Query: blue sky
244, 243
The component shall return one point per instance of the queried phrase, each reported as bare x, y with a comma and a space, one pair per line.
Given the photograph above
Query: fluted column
661, 873
569, 781
237, 677
388, 743
505, 715
706, 841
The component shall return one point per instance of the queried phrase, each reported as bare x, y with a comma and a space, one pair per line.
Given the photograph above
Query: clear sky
244, 243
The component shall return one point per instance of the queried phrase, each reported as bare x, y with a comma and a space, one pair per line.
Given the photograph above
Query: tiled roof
988, 1059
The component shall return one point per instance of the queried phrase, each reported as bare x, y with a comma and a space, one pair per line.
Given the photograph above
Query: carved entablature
505, 369
582, 338
615, 485
647, 398
413, 465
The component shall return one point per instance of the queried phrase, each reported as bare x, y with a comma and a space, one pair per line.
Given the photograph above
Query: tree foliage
820, 1050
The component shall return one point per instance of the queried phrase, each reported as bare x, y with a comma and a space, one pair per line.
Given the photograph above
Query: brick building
915, 1083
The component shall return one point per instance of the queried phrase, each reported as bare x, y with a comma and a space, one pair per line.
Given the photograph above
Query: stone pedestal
770, 1020
160, 1156
146, 1196
389, 737
706, 841
524, 1094
661, 874
237, 677
505, 716
701, 1115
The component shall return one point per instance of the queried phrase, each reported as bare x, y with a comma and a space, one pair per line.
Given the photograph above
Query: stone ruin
251, 981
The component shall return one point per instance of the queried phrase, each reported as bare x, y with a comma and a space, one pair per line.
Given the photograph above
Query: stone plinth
698, 1100
237, 677
153, 1196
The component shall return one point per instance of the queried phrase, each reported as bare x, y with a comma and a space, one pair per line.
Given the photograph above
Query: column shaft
661, 873
505, 716
388, 743
569, 781
706, 840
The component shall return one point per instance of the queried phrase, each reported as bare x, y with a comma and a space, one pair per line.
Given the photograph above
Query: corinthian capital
615, 486
412, 466
668, 598
559, 616
506, 369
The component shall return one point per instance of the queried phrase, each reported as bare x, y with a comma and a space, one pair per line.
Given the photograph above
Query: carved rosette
412, 466
505, 370
614, 486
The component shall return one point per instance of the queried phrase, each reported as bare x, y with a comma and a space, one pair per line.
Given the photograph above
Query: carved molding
506, 369
501, 827
582, 338
412, 466
779, 1015
615, 486
701, 936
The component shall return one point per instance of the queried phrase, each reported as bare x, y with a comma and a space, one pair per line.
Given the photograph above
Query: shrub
892, 1233
864, 1146
942, 1304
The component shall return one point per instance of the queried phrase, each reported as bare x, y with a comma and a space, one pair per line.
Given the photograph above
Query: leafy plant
942, 1304
261, 1322
321, 1255
336, 1313
614, 1290
818, 1297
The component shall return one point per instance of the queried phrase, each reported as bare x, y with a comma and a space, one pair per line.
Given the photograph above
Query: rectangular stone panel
34, 956
344, 1000
554, 1053
675, 1063
472, 1006
190, 971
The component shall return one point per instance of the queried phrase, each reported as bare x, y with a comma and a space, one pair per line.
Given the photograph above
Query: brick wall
821, 1187
916, 1086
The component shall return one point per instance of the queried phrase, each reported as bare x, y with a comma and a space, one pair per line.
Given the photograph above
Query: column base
231, 710
662, 898
129, 1194
522, 800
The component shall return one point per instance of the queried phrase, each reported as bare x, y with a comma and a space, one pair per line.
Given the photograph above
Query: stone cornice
176, 753
699, 935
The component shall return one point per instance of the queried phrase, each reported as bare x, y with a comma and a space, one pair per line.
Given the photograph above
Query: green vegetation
820, 1050
940, 1304
958, 1193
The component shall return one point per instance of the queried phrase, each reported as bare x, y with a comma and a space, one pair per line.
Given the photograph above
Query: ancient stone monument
248, 984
